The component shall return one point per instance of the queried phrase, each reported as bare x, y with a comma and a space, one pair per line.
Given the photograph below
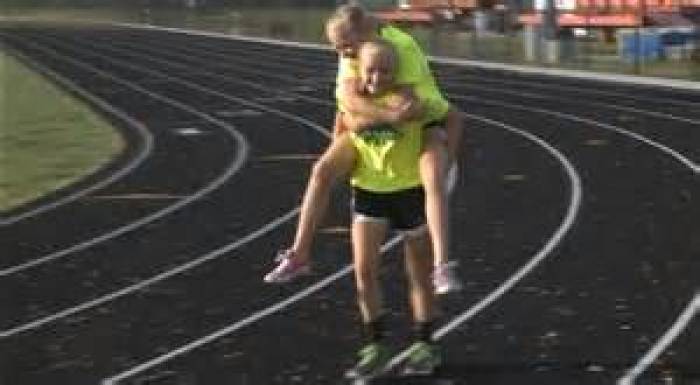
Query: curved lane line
146, 146
573, 209
172, 272
235, 166
693, 166
682, 322
167, 51
564, 227
669, 151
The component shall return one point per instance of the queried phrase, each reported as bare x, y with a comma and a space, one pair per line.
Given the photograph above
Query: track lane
257, 276
665, 166
677, 131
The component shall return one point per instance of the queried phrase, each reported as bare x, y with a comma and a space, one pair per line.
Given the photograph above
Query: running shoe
288, 268
423, 360
445, 279
373, 359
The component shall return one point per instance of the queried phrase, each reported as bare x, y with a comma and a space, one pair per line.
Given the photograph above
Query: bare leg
424, 357
418, 268
433, 167
438, 153
337, 162
367, 238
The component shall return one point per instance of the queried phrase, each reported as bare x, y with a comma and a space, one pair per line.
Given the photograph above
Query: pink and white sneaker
445, 279
288, 268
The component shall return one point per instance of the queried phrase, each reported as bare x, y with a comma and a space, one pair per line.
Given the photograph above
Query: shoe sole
298, 275
448, 291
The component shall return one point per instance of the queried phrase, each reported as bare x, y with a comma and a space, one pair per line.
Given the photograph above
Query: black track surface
589, 311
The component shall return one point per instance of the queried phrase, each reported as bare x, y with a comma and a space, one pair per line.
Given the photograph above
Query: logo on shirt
380, 135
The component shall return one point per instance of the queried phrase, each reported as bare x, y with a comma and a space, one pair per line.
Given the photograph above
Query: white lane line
693, 166
525, 270
682, 103
193, 85
216, 75
508, 81
634, 135
116, 378
236, 164
257, 316
120, 231
189, 131
533, 95
669, 151
682, 322
279, 72
564, 227
145, 145
152, 280
553, 72
169, 273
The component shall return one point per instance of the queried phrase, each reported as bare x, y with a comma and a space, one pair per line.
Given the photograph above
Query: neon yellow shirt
387, 156
412, 70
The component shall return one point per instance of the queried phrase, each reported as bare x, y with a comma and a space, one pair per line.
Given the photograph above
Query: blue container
645, 45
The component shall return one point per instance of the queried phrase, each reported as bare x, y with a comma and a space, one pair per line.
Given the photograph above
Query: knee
322, 173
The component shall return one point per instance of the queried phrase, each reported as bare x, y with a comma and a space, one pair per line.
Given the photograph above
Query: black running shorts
404, 210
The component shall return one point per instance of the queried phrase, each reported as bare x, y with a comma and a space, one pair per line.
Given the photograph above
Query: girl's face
376, 71
345, 41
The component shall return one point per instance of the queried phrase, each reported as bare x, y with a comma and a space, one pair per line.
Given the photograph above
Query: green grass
48, 139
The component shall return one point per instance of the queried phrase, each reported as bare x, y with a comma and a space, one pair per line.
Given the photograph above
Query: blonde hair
351, 16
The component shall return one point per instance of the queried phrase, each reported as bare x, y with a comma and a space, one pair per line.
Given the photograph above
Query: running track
576, 223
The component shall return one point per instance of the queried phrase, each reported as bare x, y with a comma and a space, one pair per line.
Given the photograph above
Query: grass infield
48, 139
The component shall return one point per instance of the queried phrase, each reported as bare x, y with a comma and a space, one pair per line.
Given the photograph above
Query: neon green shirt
387, 156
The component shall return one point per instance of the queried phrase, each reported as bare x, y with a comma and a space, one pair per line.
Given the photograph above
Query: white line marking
668, 150
137, 196
675, 154
273, 99
551, 86
588, 102
114, 379
626, 79
236, 164
507, 81
186, 83
152, 280
188, 131
238, 113
169, 273
168, 210
678, 102
564, 227
146, 145
259, 86
666, 340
